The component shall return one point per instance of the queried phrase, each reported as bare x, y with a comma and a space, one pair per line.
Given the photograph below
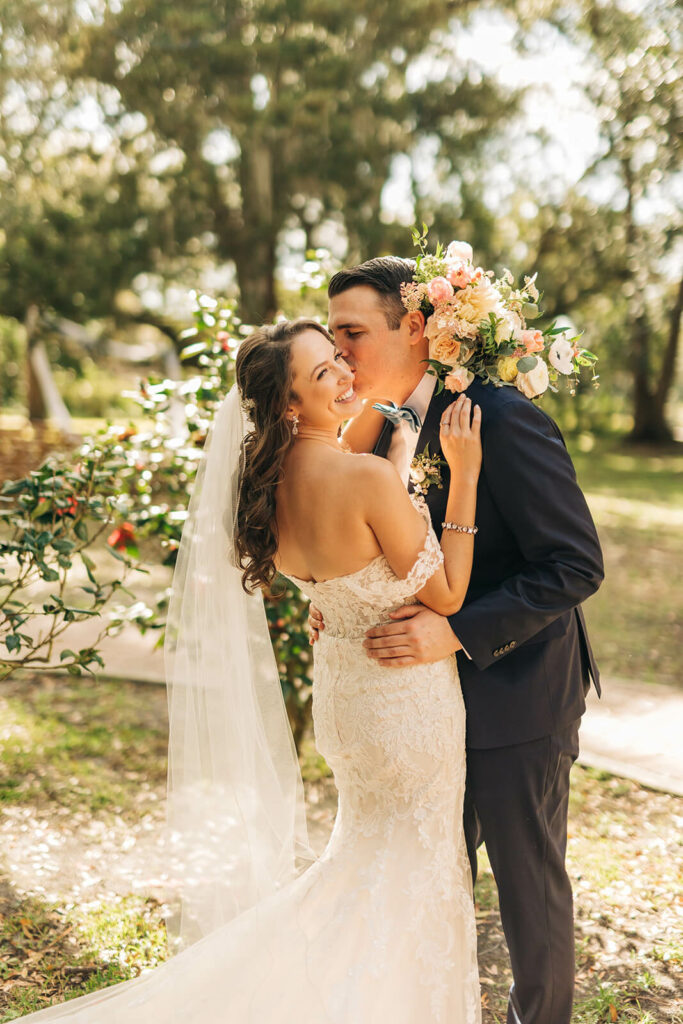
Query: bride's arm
362, 433
400, 529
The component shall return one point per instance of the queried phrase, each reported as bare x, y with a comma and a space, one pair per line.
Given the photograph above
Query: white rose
535, 382
561, 355
418, 474
459, 251
510, 325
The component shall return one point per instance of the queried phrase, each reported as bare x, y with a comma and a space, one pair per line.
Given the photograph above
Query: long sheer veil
235, 796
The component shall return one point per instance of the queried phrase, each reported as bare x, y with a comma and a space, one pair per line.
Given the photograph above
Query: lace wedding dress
380, 930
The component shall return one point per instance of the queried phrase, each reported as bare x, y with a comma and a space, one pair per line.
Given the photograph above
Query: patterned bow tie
395, 414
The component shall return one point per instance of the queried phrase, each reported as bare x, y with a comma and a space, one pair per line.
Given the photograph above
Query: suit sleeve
531, 477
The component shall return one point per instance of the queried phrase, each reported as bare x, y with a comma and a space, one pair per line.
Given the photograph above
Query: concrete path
635, 730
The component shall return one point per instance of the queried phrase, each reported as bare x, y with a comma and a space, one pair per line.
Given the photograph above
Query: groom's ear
415, 322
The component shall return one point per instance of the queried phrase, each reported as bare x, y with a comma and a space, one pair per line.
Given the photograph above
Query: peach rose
459, 251
535, 381
439, 290
459, 379
532, 341
442, 345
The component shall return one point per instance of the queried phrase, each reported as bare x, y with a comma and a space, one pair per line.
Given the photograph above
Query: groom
524, 656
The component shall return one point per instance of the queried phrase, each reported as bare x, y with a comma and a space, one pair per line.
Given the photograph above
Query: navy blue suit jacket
536, 558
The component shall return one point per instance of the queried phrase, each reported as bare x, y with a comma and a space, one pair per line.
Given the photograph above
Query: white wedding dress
381, 929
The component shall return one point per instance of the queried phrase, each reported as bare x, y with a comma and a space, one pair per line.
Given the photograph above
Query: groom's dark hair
385, 274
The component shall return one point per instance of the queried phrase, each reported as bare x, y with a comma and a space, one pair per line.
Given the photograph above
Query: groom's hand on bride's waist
416, 636
315, 623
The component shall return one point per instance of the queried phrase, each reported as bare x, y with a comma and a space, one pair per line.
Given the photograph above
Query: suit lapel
429, 435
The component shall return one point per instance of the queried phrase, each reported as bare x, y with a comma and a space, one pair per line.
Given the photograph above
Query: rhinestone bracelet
460, 529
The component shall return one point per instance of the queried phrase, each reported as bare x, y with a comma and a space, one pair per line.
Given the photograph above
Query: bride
380, 928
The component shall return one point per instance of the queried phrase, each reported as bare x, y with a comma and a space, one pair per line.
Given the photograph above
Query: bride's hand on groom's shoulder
460, 437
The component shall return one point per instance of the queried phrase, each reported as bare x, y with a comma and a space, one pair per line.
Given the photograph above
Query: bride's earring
295, 424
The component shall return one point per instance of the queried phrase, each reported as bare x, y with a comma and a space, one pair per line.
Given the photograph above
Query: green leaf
117, 555
89, 566
81, 530
14, 486
73, 670
48, 574
527, 363
42, 509
66, 653
12, 642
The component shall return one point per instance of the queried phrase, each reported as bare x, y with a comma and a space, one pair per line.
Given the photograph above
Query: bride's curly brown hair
263, 371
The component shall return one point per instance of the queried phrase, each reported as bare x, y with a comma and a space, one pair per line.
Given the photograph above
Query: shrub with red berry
50, 522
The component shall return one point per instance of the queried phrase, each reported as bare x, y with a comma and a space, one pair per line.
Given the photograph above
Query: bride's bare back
321, 512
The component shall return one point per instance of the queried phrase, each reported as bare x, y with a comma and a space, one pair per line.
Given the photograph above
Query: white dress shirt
404, 439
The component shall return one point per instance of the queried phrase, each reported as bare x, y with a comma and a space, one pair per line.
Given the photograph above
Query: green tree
287, 114
624, 246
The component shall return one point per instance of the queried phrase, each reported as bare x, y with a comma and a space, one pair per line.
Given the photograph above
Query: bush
136, 482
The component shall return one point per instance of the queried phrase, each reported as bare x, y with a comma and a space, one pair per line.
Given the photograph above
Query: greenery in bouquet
477, 325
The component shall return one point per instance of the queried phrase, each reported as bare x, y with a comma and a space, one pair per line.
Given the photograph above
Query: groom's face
373, 351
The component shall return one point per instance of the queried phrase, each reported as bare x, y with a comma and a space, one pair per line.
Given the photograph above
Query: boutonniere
425, 471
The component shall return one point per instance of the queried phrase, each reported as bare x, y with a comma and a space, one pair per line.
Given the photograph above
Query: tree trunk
649, 424
649, 413
668, 370
256, 247
256, 279
34, 393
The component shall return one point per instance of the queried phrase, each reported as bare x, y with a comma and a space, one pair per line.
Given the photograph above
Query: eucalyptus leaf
527, 363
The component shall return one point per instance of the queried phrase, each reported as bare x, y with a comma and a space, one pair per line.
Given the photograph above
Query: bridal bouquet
477, 326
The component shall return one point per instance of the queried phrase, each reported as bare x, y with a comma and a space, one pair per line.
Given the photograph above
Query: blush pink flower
459, 379
459, 275
439, 290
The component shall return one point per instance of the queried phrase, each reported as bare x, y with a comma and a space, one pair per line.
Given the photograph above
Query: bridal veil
235, 797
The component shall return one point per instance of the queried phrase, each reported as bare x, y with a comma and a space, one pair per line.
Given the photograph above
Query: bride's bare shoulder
368, 472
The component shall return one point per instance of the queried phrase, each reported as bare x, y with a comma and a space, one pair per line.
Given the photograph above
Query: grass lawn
82, 779
636, 618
